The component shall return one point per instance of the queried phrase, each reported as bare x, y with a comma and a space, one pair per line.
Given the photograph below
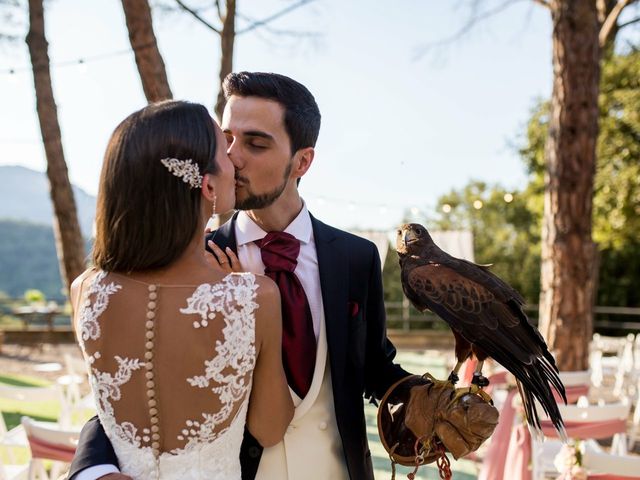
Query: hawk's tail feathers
534, 387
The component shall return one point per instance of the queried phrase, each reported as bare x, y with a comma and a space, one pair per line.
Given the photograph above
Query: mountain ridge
24, 196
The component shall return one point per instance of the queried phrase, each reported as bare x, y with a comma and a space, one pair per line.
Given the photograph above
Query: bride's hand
226, 261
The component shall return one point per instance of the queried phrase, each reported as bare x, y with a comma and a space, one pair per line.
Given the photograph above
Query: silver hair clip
187, 170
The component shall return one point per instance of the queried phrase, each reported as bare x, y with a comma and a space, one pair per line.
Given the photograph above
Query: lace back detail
226, 311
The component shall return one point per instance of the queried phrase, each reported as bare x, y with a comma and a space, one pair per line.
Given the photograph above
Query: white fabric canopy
458, 243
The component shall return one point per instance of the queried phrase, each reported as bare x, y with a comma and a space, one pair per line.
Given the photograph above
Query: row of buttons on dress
149, 374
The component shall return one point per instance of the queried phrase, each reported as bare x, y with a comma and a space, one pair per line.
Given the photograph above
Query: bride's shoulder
77, 285
262, 285
265, 284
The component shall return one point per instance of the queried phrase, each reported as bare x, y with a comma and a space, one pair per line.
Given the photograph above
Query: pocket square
354, 308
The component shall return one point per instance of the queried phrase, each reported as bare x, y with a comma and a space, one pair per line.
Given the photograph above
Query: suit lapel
334, 282
225, 236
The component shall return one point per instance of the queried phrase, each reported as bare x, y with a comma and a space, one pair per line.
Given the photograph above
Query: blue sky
397, 131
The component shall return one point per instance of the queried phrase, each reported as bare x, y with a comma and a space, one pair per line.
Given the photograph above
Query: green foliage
34, 296
391, 277
616, 205
28, 260
505, 227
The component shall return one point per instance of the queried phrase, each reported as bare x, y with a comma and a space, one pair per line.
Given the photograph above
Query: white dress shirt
247, 232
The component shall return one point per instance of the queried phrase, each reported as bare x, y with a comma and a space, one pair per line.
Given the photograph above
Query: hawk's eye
419, 231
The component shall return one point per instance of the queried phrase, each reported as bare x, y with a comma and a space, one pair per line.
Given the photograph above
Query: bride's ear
208, 187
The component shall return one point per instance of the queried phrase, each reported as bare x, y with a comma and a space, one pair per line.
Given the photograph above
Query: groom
272, 124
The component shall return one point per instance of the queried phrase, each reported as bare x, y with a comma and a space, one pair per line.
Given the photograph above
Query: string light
508, 197
446, 208
82, 66
477, 204
80, 61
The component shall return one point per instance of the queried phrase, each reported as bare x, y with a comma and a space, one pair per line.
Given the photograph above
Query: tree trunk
568, 252
69, 243
145, 47
227, 39
604, 10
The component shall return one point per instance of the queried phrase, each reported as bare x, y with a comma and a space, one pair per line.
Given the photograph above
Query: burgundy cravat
279, 252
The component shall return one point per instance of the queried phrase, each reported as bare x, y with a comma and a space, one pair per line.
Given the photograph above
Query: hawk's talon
480, 380
435, 381
453, 377
475, 389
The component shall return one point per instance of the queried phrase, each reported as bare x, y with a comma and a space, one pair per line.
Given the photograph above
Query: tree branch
610, 22
630, 22
219, 9
473, 20
264, 21
198, 17
276, 31
544, 3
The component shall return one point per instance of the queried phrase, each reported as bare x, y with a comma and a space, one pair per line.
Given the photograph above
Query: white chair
13, 472
16, 437
51, 393
49, 442
634, 430
573, 379
575, 416
76, 375
577, 385
612, 361
605, 463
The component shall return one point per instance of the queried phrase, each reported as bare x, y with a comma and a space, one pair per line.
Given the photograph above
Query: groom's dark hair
301, 113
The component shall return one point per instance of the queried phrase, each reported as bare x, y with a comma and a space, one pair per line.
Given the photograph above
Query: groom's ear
208, 187
302, 161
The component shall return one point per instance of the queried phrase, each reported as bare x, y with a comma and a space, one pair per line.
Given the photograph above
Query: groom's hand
227, 261
115, 476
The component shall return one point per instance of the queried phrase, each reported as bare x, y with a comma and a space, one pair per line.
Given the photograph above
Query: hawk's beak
409, 237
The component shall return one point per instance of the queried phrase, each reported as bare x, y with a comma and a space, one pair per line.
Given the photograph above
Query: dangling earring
213, 209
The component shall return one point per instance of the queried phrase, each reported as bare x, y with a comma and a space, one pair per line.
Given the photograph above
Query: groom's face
259, 148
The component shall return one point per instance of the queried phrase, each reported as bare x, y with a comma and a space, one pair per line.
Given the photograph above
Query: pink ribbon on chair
518, 460
50, 451
573, 392
586, 430
493, 465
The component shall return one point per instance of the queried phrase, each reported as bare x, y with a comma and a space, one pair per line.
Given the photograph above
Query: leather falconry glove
420, 418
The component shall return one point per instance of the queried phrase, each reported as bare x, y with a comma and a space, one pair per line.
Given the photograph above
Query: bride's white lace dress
171, 370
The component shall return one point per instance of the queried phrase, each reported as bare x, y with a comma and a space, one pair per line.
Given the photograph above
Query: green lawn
13, 410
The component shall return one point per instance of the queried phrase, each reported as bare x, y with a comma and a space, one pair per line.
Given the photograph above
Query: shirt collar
248, 231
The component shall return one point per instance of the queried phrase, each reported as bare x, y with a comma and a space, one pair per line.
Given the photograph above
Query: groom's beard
254, 201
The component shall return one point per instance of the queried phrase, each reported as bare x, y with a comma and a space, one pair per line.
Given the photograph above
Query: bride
181, 356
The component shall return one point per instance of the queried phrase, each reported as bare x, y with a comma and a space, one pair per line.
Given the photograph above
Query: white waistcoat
311, 448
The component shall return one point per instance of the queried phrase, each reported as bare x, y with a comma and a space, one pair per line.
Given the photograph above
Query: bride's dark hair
146, 217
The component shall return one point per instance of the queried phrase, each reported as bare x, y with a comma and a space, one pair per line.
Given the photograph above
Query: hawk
486, 317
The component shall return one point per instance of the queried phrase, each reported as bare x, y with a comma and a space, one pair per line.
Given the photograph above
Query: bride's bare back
172, 370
